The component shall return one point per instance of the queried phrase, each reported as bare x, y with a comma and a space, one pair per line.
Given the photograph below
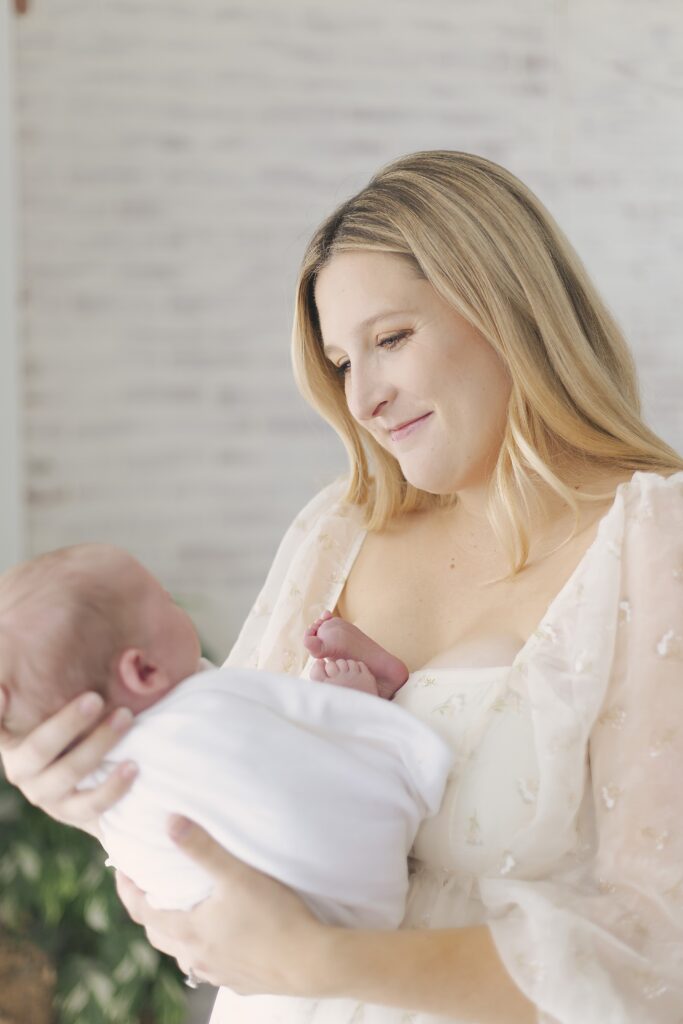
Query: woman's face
439, 371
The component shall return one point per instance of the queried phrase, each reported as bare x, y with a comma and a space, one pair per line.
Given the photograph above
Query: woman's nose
367, 394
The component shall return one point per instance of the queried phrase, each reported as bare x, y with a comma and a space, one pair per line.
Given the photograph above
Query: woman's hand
48, 764
253, 934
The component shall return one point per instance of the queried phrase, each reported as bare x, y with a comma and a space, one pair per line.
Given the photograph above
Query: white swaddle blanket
321, 787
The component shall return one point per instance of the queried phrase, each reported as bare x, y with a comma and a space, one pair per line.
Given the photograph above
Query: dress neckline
536, 634
469, 669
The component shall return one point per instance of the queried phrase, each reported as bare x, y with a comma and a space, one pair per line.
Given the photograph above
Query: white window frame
11, 486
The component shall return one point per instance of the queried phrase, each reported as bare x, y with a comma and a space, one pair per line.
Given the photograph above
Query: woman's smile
408, 428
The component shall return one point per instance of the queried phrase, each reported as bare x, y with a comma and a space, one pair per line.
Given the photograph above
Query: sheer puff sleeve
301, 579
598, 938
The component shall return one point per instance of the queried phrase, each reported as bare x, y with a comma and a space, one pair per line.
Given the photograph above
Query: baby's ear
139, 675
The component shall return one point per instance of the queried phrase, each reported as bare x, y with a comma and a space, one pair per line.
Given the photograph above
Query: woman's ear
139, 675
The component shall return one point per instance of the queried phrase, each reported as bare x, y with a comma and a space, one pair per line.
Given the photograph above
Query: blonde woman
512, 530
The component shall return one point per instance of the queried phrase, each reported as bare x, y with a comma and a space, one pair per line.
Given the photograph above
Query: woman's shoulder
635, 488
329, 498
326, 512
642, 508
653, 495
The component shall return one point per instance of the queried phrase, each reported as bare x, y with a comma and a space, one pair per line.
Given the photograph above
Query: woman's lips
408, 428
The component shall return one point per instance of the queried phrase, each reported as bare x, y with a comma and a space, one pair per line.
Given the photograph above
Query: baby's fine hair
63, 621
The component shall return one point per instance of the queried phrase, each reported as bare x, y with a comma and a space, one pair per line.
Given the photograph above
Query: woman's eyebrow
369, 321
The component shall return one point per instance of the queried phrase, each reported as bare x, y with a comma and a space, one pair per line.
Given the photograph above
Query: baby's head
88, 617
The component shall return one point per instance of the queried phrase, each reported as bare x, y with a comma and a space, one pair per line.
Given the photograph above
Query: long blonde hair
491, 249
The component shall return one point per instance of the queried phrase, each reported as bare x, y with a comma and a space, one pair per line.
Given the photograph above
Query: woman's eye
389, 342
393, 339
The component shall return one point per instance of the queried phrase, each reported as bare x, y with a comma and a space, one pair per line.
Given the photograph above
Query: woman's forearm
455, 971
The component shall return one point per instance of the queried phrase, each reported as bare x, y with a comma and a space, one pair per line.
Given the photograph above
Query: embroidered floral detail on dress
583, 662
613, 549
614, 717
675, 893
562, 741
288, 661
528, 790
633, 927
358, 1015
660, 838
409, 1018
534, 969
473, 837
610, 794
670, 645
650, 986
660, 740
624, 611
508, 863
548, 632
447, 707
425, 681
508, 701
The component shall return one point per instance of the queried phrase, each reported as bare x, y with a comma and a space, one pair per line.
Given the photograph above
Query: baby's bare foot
345, 672
335, 638
311, 641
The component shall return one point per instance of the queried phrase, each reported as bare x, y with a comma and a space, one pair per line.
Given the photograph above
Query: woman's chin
431, 482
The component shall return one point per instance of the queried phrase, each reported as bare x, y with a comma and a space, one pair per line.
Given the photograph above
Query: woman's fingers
57, 782
42, 746
167, 930
49, 763
132, 898
7, 741
201, 847
85, 806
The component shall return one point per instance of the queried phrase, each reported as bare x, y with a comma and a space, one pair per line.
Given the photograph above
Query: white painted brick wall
175, 158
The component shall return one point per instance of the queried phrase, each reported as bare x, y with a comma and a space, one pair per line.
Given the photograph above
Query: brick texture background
175, 158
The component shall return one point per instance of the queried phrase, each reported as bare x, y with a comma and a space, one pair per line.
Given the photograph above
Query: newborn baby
320, 786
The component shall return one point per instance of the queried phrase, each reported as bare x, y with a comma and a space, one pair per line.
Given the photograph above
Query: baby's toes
314, 644
354, 666
331, 669
343, 664
313, 629
317, 672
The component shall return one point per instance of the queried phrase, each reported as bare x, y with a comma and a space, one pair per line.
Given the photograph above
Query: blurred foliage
56, 891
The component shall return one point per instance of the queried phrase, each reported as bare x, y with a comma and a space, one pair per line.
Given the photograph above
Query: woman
518, 547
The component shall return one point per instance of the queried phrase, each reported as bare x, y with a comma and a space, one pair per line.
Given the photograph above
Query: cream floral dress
562, 823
